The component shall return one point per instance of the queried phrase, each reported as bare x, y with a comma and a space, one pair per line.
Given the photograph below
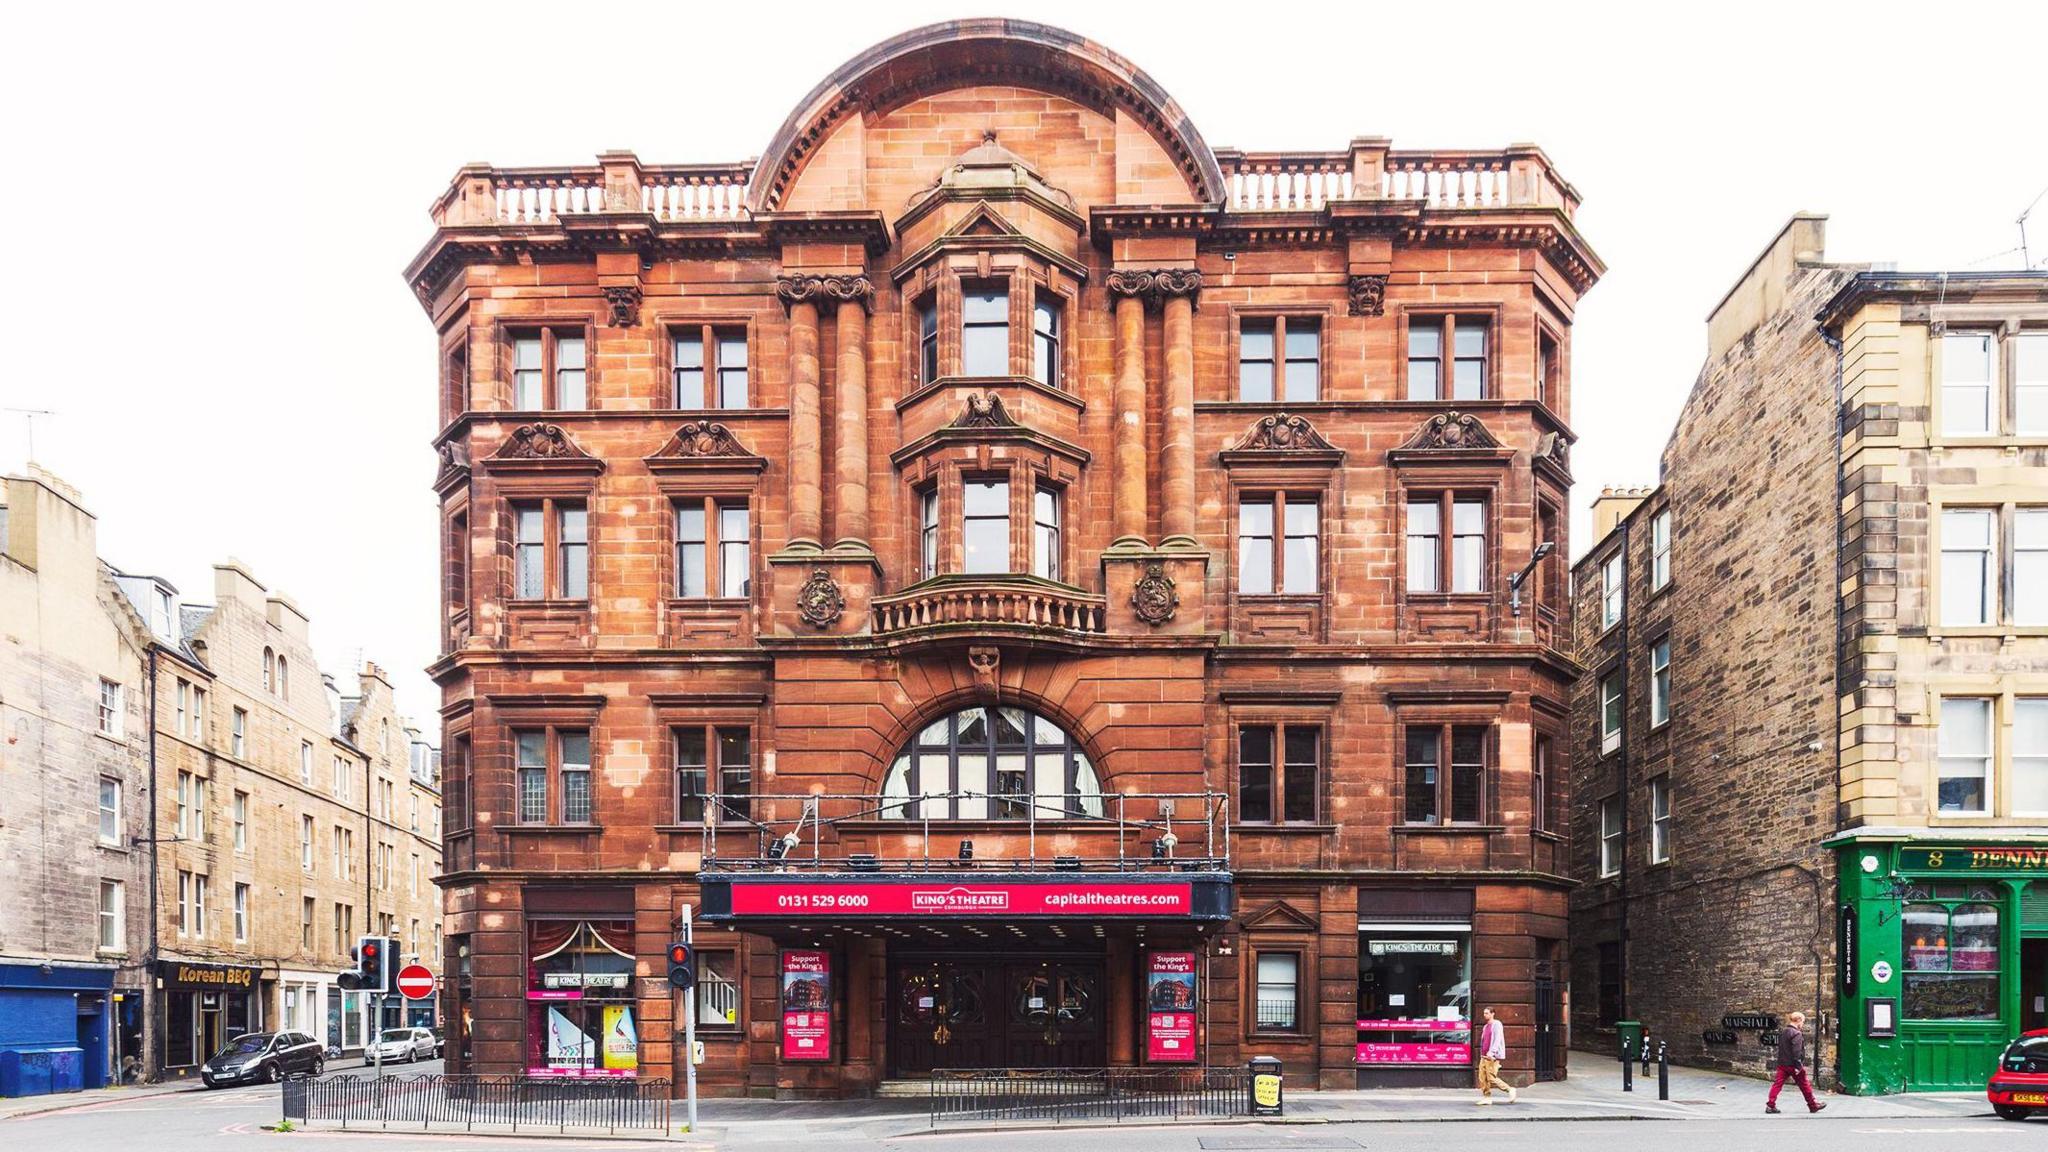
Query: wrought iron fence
1061, 1095
478, 1102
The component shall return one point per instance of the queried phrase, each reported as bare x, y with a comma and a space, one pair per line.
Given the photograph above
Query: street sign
416, 982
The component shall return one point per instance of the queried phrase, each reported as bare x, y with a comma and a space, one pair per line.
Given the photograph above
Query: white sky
210, 208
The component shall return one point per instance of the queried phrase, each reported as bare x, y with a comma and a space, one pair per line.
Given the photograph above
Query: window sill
944, 383
112, 846
1661, 589
1255, 1037
1547, 834
1450, 829
1480, 597
1284, 827
550, 829
550, 603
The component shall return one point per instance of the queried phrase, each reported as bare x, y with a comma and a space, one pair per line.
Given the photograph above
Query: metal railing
471, 1103
1065, 1095
1119, 831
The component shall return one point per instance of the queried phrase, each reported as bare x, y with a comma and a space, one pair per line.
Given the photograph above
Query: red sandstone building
1037, 586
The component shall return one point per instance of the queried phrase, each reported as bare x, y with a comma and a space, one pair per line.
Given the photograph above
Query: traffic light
373, 955
682, 965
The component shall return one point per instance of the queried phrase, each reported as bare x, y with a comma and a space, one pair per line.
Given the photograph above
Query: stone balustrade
1518, 176
968, 601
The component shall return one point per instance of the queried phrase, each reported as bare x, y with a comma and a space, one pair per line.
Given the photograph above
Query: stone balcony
965, 603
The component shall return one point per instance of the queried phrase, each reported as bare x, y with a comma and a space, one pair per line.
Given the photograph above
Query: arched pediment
962, 53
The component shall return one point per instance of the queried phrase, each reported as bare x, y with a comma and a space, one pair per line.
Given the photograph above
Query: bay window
985, 525
1433, 795
1045, 341
1045, 542
985, 331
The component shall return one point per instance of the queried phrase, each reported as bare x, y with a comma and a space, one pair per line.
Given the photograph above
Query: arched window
269, 670
992, 763
284, 677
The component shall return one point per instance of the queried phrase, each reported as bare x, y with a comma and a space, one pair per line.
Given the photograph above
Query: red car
2020, 1086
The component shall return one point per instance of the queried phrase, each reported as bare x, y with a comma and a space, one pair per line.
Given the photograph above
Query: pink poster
1170, 1007
806, 1006
1414, 1053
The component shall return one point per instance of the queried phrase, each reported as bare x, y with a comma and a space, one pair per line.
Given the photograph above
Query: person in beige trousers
1493, 1048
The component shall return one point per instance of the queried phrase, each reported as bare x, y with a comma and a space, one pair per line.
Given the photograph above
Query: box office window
1949, 939
580, 1018
718, 990
1415, 996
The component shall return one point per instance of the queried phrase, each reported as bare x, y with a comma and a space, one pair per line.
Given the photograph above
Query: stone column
850, 422
806, 461
1127, 492
1177, 487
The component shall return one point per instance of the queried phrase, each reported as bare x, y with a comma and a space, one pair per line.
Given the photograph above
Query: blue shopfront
54, 1021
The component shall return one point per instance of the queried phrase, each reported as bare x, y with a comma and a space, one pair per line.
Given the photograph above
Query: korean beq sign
1170, 1007
806, 1005
799, 897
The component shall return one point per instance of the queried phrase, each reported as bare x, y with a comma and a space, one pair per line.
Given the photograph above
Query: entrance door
982, 1011
1546, 1028
2033, 984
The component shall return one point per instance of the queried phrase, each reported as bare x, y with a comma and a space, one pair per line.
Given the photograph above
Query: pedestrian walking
1792, 1064
1493, 1048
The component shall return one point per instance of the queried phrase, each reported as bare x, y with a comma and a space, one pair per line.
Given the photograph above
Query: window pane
690, 780
529, 554
987, 305
1255, 545
1300, 786
688, 360
987, 498
1966, 566
1468, 770
1255, 381
1424, 520
985, 338
1966, 358
734, 551
987, 527
1420, 784
1255, 774
2030, 566
1469, 338
2030, 756
1964, 744
1425, 356
1277, 995
1303, 349
1302, 559
1256, 343
1468, 546
2030, 405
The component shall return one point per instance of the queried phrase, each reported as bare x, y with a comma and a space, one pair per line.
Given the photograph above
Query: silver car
402, 1046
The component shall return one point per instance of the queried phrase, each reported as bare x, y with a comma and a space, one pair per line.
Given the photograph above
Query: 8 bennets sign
2011, 858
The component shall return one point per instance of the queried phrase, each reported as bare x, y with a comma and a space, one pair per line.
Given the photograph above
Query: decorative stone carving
1554, 448
540, 442
819, 602
454, 464
625, 305
984, 663
700, 438
819, 289
984, 410
1155, 285
1368, 295
1154, 598
1451, 430
1283, 432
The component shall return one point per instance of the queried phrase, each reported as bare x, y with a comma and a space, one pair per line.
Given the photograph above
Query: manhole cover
1274, 1142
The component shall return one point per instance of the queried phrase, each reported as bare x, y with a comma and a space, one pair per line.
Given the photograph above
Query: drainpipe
152, 1036
1621, 760
1825, 902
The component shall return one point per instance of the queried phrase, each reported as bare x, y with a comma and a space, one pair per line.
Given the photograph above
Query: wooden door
944, 1013
1055, 1015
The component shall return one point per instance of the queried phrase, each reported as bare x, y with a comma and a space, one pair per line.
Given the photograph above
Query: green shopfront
1941, 957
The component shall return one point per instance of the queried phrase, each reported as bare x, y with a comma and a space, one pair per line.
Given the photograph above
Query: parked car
2019, 1088
440, 1044
402, 1046
265, 1057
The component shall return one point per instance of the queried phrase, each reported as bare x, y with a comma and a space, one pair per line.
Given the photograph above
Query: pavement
12, 1106
1709, 1111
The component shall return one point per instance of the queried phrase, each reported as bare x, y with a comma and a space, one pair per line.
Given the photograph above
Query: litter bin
1266, 1094
1631, 1039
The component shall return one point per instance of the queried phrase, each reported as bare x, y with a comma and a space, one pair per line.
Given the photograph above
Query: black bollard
1627, 1071
1663, 1074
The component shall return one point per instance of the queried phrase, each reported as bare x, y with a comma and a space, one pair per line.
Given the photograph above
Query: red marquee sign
952, 897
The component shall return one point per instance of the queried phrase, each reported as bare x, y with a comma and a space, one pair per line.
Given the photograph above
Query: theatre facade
1039, 590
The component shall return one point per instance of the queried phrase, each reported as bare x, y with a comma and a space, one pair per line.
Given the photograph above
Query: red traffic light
369, 950
679, 953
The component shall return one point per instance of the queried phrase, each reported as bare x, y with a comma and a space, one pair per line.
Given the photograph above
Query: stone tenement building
280, 832
1041, 590
1811, 744
284, 812
73, 778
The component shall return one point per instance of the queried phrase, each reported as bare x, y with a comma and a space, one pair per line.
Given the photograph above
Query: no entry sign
416, 982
